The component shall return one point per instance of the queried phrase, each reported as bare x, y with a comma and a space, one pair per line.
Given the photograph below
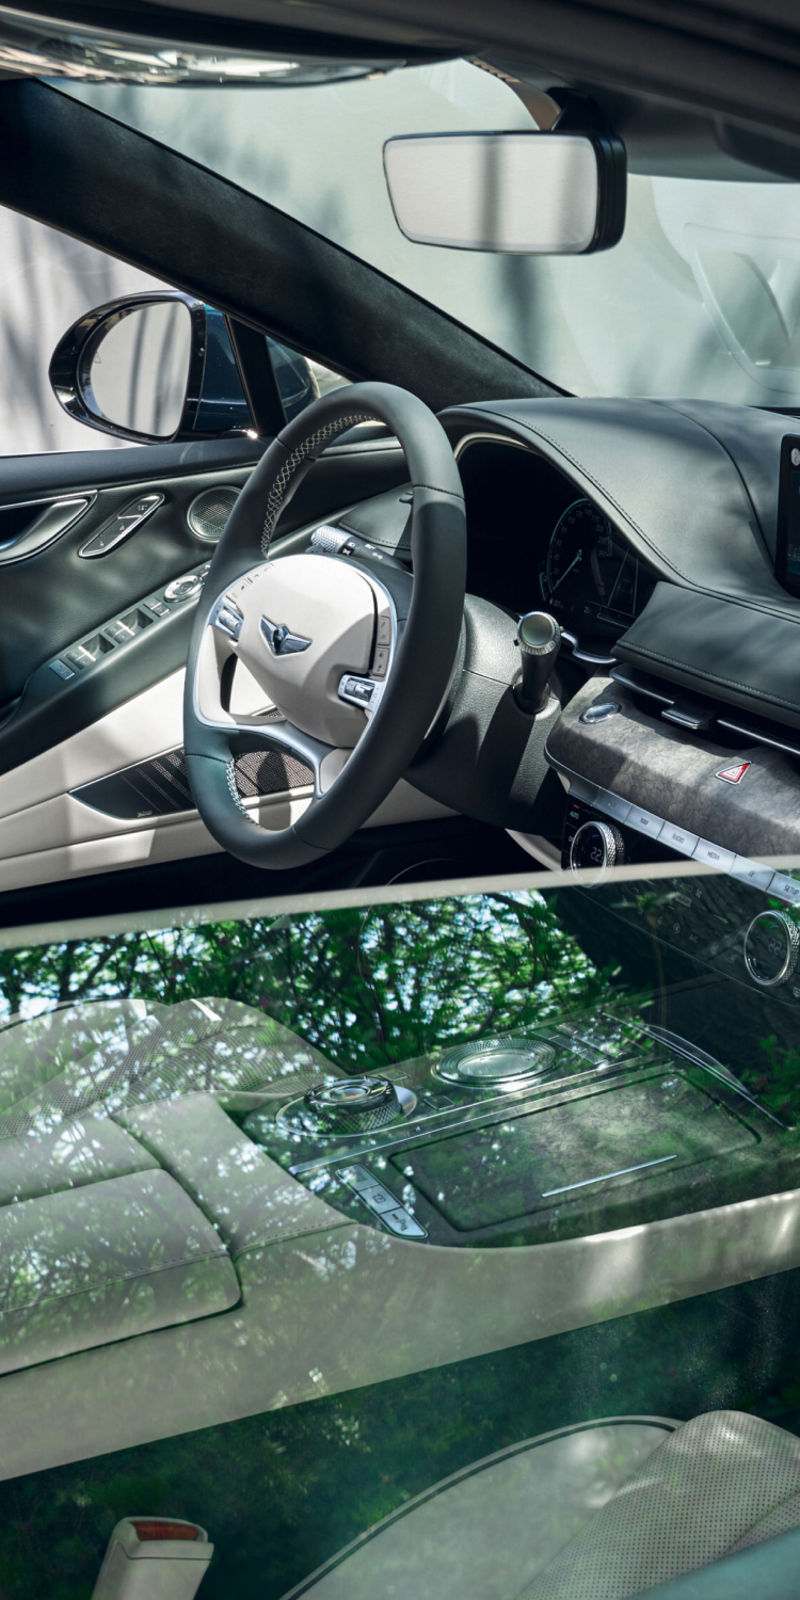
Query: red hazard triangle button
734, 774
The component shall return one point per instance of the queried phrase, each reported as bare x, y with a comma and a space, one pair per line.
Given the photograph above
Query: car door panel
54, 598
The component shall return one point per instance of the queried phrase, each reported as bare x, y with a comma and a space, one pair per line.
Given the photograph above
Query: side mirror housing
160, 366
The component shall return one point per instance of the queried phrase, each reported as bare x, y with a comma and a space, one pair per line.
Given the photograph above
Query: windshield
701, 297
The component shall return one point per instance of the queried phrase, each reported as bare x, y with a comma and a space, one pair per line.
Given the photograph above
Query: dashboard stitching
714, 677
753, 603
539, 433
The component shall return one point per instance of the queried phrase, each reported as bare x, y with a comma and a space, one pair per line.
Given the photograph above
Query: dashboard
536, 541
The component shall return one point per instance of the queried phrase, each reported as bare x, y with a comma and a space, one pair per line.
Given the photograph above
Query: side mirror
562, 192
158, 367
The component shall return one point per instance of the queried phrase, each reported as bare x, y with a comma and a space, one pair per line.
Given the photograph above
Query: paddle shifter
539, 640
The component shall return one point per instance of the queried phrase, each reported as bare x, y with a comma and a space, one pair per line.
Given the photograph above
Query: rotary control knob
598, 845
354, 1105
771, 948
184, 588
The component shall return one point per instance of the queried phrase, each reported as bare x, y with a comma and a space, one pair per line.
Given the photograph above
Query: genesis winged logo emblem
280, 640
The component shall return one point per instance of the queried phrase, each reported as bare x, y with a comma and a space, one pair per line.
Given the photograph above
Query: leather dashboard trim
713, 646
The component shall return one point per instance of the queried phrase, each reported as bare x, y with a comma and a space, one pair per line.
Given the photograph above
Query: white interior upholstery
102, 1262
719, 1483
603, 1512
483, 1533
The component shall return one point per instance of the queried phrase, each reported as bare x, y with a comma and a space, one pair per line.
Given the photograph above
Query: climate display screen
787, 565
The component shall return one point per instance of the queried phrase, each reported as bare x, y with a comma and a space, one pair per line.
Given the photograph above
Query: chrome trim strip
601, 1176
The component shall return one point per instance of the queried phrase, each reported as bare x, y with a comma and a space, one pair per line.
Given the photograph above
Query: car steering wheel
353, 658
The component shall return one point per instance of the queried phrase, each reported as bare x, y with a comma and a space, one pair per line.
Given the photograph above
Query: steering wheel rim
425, 641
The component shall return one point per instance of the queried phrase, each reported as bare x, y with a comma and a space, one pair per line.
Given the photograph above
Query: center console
584, 1126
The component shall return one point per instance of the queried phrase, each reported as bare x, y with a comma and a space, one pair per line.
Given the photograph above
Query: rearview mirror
555, 193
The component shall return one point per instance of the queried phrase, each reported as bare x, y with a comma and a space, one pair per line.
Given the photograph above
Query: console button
613, 805
645, 822
751, 872
713, 855
678, 839
785, 888
377, 1198
402, 1222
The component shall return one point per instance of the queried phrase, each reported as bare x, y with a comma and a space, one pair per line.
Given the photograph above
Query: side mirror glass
135, 373
151, 368
555, 193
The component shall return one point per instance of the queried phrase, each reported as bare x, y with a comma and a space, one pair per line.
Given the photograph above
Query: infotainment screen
787, 557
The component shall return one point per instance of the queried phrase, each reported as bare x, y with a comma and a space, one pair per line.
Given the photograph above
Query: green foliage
367, 987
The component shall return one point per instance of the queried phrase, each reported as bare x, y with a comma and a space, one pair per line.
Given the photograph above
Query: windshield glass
701, 297
440, 1210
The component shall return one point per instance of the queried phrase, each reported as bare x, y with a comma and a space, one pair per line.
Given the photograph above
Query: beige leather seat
100, 1237
601, 1512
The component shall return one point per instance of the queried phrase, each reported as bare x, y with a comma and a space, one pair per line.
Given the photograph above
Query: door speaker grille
209, 513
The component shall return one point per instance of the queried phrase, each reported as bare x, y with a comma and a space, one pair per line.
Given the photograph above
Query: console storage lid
99, 1263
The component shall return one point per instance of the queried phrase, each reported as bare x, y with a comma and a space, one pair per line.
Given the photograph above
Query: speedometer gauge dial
591, 581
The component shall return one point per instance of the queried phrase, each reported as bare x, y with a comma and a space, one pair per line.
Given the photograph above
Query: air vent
209, 512
160, 788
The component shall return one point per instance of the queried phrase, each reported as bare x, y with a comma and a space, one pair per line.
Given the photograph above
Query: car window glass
699, 297
584, 1069
47, 281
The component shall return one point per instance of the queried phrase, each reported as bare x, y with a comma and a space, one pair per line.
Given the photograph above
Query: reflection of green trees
366, 986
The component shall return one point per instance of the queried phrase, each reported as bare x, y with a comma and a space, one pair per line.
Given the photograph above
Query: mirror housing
559, 192
159, 367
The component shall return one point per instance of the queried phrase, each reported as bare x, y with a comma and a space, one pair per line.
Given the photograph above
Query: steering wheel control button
771, 949
598, 845
354, 1105
227, 617
507, 1062
121, 525
358, 691
380, 661
383, 631
713, 855
601, 712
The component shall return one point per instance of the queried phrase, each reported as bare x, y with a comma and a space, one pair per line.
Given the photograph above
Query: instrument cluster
536, 542
590, 580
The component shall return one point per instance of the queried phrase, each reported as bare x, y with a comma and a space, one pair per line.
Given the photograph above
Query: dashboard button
678, 839
713, 855
645, 822
613, 805
785, 888
751, 872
